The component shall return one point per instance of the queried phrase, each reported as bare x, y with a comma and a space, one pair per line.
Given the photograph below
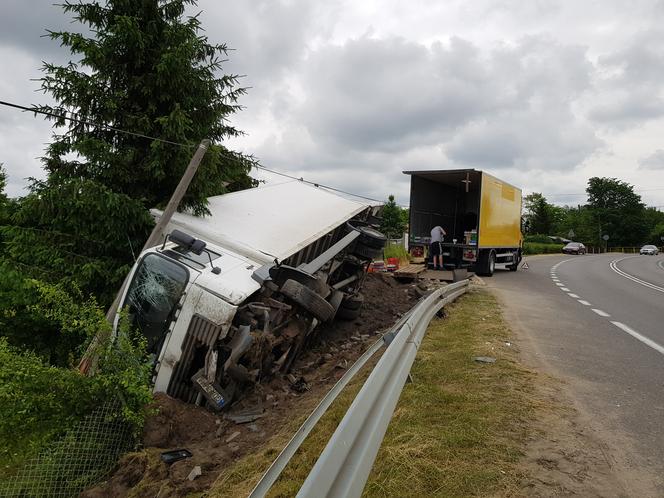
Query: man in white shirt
436, 248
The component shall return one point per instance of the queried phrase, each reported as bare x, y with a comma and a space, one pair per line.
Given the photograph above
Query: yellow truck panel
500, 214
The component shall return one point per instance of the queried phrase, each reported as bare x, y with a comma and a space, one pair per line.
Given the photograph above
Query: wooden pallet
410, 272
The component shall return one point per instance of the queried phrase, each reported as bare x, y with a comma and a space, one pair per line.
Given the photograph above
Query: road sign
571, 234
605, 237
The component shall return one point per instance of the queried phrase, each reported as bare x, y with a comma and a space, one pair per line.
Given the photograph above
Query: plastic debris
195, 472
484, 359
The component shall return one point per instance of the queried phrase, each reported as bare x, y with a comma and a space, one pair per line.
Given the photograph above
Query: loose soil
216, 441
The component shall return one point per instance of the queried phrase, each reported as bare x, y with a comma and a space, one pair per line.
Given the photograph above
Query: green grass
458, 430
396, 251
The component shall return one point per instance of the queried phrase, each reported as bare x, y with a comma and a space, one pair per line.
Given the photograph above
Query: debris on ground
484, 359
195, 472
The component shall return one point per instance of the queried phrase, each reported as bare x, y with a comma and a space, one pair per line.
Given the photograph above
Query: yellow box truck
480, 214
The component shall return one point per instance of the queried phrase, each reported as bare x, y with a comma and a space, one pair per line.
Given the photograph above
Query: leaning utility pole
155, 237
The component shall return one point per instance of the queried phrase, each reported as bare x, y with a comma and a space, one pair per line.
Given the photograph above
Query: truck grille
201, 336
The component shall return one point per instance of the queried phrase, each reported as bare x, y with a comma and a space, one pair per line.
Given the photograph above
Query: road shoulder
570, 453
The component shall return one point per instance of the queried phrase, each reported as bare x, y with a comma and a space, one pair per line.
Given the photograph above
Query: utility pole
86, 364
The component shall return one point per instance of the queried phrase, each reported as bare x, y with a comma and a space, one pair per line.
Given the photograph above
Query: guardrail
344, 465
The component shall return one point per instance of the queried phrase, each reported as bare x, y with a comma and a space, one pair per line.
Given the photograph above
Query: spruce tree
140, 66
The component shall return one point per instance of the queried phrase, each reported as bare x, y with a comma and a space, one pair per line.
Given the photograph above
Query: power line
316, 184
37, 110
88, 123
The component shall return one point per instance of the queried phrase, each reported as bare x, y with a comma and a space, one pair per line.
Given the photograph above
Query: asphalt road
597, 321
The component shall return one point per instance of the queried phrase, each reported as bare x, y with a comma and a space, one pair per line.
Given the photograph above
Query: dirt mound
215, 440
171, 426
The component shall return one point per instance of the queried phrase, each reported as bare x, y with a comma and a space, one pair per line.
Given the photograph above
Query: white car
650, 250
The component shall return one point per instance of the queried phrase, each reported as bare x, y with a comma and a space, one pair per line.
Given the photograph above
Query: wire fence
80, 459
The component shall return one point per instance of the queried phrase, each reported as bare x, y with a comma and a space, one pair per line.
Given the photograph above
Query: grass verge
459, 429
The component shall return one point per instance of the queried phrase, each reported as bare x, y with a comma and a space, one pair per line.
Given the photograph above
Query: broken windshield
153, 295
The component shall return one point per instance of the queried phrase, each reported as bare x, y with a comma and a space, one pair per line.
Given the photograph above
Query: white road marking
573, 295
636, 335
559, 284
614, 267
600, 312
585, 303
564, 289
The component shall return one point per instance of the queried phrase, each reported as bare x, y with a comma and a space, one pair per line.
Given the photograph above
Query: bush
539, 238
537, 248
39, 402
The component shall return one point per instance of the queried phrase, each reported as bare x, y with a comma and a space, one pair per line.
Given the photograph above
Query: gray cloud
630, 82
654, 161
24, 26
352, 93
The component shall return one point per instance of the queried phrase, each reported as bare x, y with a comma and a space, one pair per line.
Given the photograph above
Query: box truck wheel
369, 236
353, 302
487, 263
283, 273
346, 314
308, 300
366, 252
517, 260
350, 307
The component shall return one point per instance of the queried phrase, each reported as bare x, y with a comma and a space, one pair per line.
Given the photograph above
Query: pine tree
143, 67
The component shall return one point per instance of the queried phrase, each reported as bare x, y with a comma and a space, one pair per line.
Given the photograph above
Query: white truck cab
232, 298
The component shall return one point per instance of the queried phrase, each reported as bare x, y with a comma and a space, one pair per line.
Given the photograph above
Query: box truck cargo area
481, 215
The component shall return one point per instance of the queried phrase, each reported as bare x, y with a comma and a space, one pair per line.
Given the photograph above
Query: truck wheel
308, 299
366, 252
283, 273
487, 263
515, 266
335, 300
346, 314
369, 237
353, 302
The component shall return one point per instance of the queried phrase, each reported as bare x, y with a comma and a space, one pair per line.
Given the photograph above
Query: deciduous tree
617, 211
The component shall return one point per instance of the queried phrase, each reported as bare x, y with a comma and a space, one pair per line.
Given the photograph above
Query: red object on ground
392, 264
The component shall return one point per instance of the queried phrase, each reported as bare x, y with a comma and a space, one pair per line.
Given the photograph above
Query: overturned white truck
232, 298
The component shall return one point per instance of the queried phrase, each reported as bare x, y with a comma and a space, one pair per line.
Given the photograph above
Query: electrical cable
141, 135
88, 123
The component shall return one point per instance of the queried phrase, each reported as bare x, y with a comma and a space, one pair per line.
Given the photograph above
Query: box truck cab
480, 213
232, 298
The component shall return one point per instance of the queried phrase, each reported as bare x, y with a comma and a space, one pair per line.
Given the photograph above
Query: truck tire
283, 273
487, 263
515, 266
366, 252
369, 237
346, 314
353, 302
335, 300
308, 300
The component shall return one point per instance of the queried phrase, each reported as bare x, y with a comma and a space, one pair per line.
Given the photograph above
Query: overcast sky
542, 93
